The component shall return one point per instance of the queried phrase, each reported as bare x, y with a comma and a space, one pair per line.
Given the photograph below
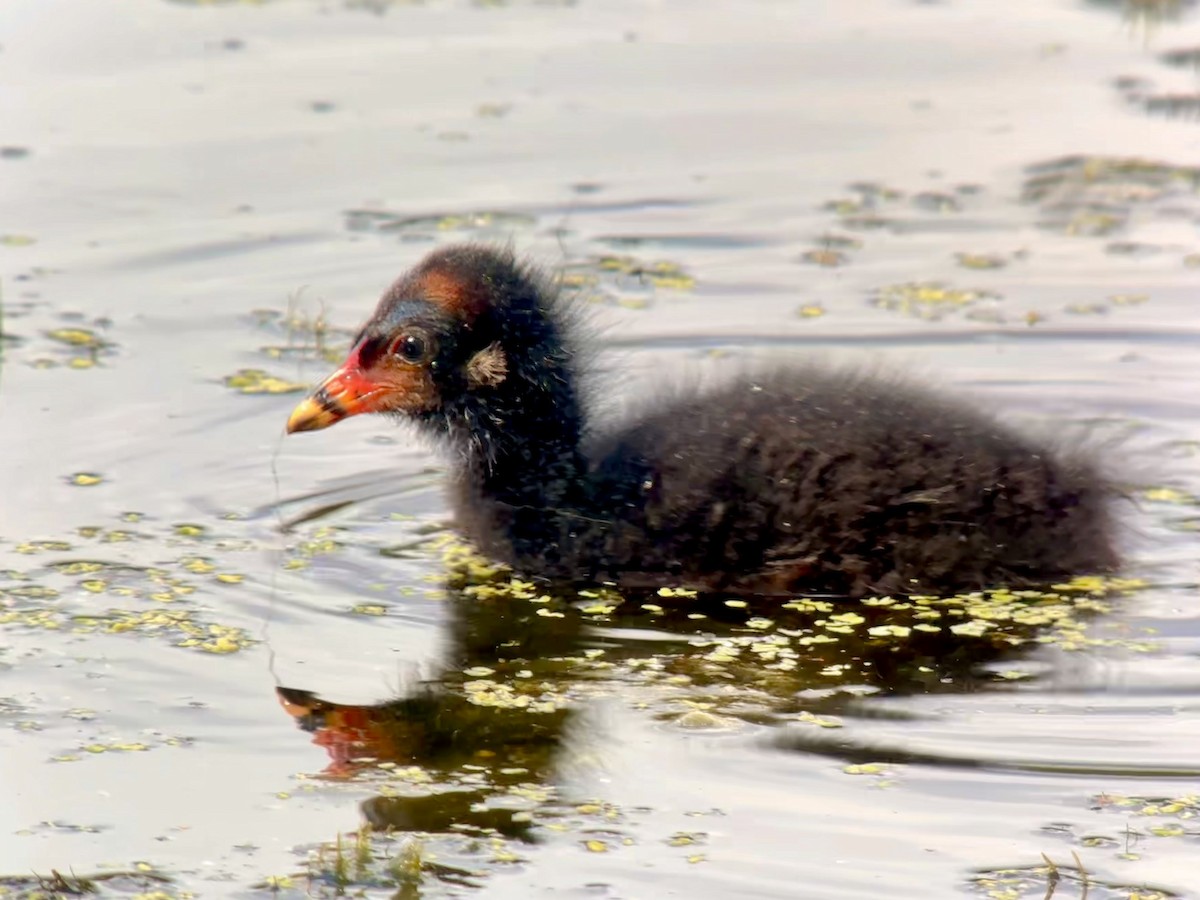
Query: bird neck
521, 446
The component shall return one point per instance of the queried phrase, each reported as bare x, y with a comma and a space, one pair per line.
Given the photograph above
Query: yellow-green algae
459, 837
624, 280
178, 626
1171, 495
95, 748
69, 594
1091, 196
1154, 817
481, 222
928, 299
874, 206
1043, 881
980, 261
76, 337
141, 881
745, 656
661, 273
76, 346
258, 381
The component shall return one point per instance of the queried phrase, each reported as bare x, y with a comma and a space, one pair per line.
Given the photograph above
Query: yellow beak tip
309, 415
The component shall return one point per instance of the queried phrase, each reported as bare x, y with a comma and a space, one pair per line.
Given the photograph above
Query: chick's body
801, 480
797, 480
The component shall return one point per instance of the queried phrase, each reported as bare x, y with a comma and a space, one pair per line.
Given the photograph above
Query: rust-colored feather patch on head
487, 368
451, 292
462, 283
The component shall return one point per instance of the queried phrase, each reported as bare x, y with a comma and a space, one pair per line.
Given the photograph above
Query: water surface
1001, 197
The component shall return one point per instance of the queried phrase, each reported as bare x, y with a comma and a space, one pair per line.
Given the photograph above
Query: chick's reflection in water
496, 714
511, 702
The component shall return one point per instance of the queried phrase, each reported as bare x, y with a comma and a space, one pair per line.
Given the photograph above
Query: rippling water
201, 200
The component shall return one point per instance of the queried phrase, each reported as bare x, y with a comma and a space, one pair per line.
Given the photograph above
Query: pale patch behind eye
487, 368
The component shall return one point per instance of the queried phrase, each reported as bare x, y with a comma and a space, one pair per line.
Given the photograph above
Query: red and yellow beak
349, 391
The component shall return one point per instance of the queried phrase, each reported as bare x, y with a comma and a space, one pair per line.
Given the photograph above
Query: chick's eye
412, 348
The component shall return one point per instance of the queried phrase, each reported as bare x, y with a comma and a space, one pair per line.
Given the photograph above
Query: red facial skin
388, 384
